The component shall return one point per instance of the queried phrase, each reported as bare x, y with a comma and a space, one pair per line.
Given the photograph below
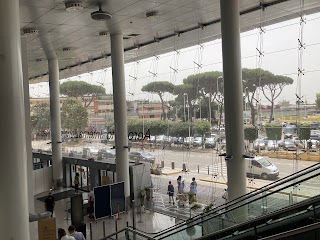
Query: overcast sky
280, 48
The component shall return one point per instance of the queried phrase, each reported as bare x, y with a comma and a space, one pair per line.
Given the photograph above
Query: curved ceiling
74, 38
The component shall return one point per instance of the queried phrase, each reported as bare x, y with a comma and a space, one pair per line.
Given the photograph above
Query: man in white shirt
63, 235
75, 234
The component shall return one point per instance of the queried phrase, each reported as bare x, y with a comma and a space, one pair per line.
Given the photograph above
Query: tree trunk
271, 113
163, 117
253, 114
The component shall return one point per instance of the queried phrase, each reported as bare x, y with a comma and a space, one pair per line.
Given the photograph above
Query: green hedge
250, 132
273, 131
304, 131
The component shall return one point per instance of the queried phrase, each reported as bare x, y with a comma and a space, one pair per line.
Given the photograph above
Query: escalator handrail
293, 232
223, 207
263, 219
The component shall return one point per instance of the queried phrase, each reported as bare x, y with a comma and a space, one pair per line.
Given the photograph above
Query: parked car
261, 167
314, 125
90, 150
178, 140
197, 142
152, 139
259, 144
142, 156
188, 141
210, 143
280, 143
289, 145
273, 145
289, 131
107, 153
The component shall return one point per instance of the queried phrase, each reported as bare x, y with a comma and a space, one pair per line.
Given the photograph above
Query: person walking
62, 235
49, 203
77, 235
181, 187
76, 183
171, 192
179, 183
193, 190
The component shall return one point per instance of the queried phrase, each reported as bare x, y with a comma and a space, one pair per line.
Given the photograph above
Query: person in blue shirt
193, 190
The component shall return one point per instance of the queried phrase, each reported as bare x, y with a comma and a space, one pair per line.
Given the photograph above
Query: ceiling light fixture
66, 49
30, 32
103, 33
74, 6
152, 14
101, 15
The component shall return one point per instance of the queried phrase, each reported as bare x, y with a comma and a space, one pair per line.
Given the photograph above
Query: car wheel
264, 176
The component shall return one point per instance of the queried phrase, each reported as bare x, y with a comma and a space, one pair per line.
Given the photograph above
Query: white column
232, 74
14, 220
24, 57
56, 141
120, 111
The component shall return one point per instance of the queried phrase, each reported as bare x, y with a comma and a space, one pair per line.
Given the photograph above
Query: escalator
290, 203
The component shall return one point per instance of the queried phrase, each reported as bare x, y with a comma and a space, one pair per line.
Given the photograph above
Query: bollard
184, 167
198, 169
104, 229
172, 165
208, 170
116, 222
162, 164
91, 231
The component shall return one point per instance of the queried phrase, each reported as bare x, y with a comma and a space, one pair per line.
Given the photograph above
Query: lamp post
184, 107
186, 94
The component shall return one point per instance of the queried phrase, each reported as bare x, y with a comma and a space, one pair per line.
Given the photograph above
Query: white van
261, 167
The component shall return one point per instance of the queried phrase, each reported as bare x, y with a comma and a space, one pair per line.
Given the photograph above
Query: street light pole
188, 106
184, 107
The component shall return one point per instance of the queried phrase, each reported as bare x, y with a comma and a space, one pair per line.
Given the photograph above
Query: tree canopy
159, 87
40, 117
74, 116
80, 89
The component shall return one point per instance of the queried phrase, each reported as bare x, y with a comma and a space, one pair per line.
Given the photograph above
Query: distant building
100, 109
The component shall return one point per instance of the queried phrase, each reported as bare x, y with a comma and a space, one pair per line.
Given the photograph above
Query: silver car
273, 145
142, 156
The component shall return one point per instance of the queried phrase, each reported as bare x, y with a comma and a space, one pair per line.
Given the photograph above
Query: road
207, 191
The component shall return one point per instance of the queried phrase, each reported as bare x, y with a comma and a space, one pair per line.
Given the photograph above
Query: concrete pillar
14, 220
24, 57
232, 74
120, 111
55, 123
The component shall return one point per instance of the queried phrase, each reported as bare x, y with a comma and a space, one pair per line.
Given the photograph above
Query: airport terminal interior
160, 119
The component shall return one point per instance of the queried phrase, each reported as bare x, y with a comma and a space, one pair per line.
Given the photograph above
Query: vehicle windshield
264, 162
289, 142
198, 138
210, 139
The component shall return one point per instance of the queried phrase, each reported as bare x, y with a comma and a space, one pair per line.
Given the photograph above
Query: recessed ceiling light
30, 32
73, 6
101, 15
152, 14
66, 49
103, 33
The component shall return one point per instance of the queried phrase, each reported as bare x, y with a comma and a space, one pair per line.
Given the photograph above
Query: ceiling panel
59, 28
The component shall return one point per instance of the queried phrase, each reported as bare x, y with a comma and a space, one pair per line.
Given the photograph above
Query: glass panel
286, 194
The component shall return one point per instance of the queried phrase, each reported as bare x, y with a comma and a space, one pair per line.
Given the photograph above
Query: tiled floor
149, 221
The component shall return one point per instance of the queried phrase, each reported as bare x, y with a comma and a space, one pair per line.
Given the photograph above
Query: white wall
42, 180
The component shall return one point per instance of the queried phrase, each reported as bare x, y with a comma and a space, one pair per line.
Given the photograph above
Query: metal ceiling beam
158, 39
